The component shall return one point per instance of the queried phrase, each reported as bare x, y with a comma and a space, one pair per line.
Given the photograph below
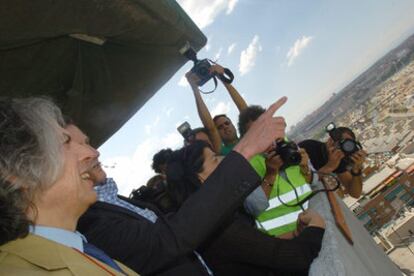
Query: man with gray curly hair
45, 186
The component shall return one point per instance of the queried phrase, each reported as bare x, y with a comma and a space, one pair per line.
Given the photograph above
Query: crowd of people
222, 204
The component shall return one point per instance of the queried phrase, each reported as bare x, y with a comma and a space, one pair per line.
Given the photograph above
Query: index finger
274, 107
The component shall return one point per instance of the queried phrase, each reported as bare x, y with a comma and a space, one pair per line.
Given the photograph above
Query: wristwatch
358, 173
267, 183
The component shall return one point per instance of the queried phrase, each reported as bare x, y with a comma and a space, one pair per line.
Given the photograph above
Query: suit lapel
36, 250
50, 256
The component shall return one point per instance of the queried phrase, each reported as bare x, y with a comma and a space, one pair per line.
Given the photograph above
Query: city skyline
302, 50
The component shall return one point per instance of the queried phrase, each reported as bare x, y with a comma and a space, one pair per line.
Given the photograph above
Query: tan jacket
35, 255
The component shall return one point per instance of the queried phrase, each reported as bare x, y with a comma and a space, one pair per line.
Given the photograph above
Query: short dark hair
160, 158
251, 113
182, 171
219, 116
154, 181
346, 130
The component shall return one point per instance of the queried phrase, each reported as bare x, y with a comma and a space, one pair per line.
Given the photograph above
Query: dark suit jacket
166, 247
238, 249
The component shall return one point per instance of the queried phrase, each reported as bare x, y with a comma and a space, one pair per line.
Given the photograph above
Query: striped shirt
108, 192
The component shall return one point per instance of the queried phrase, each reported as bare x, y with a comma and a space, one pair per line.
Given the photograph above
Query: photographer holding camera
285, 180
342, 155
222, 133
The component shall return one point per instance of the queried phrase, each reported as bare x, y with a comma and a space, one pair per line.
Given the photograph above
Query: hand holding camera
358, 159
273, 163
289, 153
205, 69
216, 69
335, 156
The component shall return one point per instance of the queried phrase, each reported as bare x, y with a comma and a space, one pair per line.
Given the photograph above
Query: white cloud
297, 48
172, 140
169, 111
221, 108
218, 54
210, 100
210, 39
131, 172
183, 82
231, 48
231, 5
148, 128
249, 55
204, 12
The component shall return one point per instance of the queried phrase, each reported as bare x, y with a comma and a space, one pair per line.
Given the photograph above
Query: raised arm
204, 113
352, 179
149, 247
234, 94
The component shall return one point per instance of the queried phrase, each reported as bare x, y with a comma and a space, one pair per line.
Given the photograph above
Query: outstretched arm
150, 247
234, 94
236, 97
204, 113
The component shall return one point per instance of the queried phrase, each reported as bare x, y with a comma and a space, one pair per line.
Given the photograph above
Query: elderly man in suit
165, 245
45, 186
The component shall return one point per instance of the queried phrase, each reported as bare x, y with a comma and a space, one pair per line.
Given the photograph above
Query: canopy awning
100, 60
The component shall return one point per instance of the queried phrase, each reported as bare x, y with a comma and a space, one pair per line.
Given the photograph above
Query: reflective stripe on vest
279, 219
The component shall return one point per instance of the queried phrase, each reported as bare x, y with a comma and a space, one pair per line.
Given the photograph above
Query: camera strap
227, 77
214, 89
299, 203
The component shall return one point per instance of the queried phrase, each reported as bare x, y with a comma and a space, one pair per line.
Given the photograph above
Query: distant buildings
386, 192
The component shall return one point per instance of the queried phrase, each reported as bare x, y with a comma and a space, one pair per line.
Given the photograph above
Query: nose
88, 152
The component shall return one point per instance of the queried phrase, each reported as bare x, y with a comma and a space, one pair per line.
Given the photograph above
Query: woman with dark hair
238, 248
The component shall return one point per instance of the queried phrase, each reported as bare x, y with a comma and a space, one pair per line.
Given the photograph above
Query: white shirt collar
59, 235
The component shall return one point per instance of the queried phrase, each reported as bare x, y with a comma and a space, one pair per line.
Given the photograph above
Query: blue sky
305, 50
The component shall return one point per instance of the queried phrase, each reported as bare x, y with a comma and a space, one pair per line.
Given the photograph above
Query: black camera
185, 130
289, 153
347, 146
156, 195
202, 67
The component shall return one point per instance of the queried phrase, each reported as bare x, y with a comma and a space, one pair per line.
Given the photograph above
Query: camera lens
294, 158
348, 146
289, 153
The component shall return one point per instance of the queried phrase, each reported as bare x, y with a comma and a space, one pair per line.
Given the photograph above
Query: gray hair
31, 156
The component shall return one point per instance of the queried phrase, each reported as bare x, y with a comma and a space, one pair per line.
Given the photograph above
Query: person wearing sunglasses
222, 132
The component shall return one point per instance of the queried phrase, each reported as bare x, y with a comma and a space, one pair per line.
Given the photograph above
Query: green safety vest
279, 219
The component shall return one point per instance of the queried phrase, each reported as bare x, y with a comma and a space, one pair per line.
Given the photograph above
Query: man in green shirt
222, 133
